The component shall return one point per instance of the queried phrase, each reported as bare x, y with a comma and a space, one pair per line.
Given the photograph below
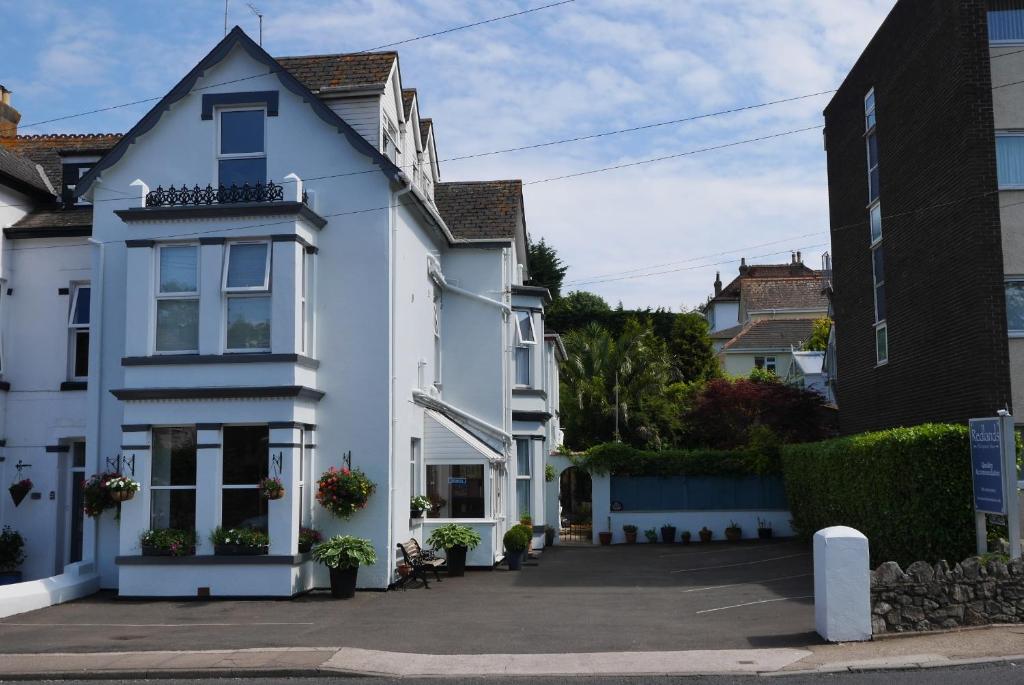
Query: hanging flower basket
345, 491
122, 488
20, 489
96, 496
271, 488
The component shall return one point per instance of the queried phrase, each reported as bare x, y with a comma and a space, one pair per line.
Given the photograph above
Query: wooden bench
419, 562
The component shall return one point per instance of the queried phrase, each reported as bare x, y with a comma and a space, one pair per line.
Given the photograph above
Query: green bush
621, 459
345, 551
908, 490
516, 539
453, 535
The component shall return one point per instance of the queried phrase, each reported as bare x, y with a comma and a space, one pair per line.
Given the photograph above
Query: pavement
638, 611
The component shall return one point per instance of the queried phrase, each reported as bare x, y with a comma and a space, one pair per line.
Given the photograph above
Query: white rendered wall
842, 585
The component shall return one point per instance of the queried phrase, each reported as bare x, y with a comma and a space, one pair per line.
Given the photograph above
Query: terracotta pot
605, 538
685, 537
733, 534
121, 495
764, 533
706, 535
631, 538
404, 570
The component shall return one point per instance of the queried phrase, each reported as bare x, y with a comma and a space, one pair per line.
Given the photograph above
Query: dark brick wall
948, 351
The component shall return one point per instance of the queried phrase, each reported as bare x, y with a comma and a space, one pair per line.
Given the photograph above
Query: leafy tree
818, 342
690, 345
546, 267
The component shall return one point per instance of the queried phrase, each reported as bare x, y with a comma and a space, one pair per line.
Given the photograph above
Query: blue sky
577, 69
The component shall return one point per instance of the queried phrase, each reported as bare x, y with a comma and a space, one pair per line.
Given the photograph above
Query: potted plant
271, 488
456, 541
20, 489
705, 534
733, 533
668, 533
344, 491
549, 536
630, 530
685, 537
516, 540
764, 529
239, 541
307, 538
605, 537
122, 488
418, 505
168, 542
343, 555
96, 496
651, 535
12, 555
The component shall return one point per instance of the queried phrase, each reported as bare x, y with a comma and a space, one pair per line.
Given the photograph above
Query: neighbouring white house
345, 302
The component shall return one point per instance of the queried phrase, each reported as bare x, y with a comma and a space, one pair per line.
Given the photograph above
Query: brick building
926, 173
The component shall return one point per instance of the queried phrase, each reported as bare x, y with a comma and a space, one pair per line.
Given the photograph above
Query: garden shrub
908, 490
620, 459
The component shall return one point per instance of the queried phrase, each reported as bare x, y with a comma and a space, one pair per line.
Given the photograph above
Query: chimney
799, 259
743, 265
718, 284
9, 117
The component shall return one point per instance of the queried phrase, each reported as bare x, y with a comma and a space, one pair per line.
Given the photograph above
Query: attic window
71, 173
241, 150
389, 144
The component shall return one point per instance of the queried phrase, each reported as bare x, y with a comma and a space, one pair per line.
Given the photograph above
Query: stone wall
930, 597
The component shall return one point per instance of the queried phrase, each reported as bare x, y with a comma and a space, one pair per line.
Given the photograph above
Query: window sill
527, 391
74, 385
228, 358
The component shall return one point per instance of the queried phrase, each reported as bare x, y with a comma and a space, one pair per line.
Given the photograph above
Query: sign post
994, 474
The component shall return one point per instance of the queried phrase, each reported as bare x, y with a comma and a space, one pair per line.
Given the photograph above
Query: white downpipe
425, 399
435, 273
94, 426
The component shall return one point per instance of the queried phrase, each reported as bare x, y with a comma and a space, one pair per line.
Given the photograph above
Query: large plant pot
668, 534
303, 548
238, 550
631, 538
343, 582
764, 533
685, 538
549, 537
10, 577
733, 534
605, 537
515, 560
121, 495
455, 561
706, 535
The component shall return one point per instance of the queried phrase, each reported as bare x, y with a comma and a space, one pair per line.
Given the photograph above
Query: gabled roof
726, 333
481, 210
408, 97
342, 71
237, 37
790, 270
760, 294
426, 123
24, 176
771, 334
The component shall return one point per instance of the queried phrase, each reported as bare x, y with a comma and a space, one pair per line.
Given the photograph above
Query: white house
347, 302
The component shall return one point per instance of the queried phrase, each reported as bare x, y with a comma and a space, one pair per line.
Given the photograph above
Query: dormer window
389, 146
241, 150
72, 171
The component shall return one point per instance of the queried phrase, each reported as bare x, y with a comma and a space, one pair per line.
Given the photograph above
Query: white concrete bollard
842, 585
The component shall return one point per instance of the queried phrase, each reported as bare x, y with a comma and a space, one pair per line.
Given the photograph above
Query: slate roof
46, 149
408, 95
52, 222
425, 125
771, 334
726, 333
23, 174
481, 210
317, 72
759, 294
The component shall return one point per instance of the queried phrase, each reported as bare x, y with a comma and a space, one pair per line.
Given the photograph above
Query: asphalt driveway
574, 599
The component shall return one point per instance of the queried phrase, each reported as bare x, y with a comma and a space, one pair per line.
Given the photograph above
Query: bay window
247, 288
177, 298
523, 476
241, 153
526, 339
78, 333
173, 479
456, 490
246, 455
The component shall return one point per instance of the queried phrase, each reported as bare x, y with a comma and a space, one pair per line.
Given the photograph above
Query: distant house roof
23, 175
727, 333
46, 149
53, 223
793, 269
804, 292
770, 334
340, 71
481, 210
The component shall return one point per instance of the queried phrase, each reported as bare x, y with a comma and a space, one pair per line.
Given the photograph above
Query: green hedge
907, 489
621, 459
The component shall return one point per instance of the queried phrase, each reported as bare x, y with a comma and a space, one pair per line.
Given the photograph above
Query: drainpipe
435, 273
94, 426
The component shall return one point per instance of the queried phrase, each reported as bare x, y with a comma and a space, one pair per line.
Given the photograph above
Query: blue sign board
987, 465
454, 480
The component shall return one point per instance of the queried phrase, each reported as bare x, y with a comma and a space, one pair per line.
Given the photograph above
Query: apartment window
523, 476
1015, 307
241, 153
875, 221
78, 333
1010, 159
457, 490
765, 363
414, 466
304, 289
875, 216
247, 288
525, 339
390, 146
173, 479
1006, 21
177, 299
881, 343
878, 275
245, 454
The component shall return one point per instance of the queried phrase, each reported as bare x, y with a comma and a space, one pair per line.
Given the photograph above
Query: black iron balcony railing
221, 195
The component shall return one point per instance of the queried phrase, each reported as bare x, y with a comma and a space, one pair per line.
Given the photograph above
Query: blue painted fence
701, 493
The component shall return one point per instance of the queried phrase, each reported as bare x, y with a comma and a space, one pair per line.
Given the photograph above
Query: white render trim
424, 400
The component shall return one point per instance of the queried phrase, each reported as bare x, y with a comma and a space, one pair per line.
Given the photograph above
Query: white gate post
842, 585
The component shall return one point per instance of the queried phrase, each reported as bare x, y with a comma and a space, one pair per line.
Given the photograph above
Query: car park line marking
751, 582
150, 625
747, 604
722, 551
742, 563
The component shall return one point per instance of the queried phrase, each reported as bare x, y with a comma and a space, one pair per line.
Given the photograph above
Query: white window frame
879, 360
219, 156
303, 302
74, 329
389, 135
1011, 133
154, 488
877, 204
240, 486
265, 286
438, 323
1013, 332
490, 487
224, 315
1004, 43
189, 295
519, 332
528, 478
